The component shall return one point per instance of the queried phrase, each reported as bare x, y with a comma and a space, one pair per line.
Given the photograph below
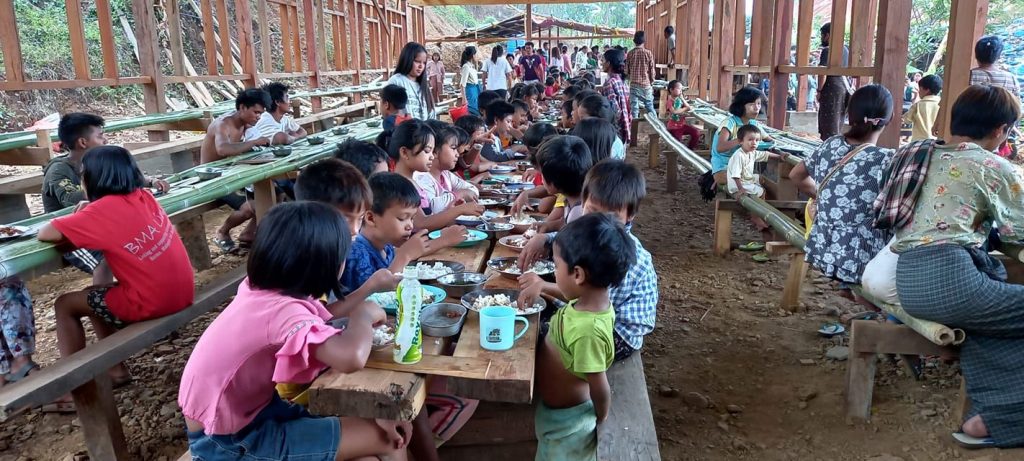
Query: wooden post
966, 24
149, 62
528, 27
723, 229
862, 35
11, 42
740, 32
246, 47
860, 378
723, 27
779, 87
264, 197
803, 49
208, 37
653, 149
101, 425
265, 53
312, 59
891, 55
173, 36
794, 281
193, 235
76, 35
672, 171
837, 35
699, 55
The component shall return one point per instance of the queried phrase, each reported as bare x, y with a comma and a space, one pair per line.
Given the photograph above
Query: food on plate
492, 300
517, 242
8, 231
521, 219
434, 271
539, 267
383, 335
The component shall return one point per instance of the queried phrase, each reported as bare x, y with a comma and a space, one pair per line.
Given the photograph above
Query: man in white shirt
277, 122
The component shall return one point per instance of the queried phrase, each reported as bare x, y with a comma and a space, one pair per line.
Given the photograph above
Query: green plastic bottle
408, 347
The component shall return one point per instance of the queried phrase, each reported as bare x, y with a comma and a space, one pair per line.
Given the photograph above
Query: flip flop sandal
225, 245
22, 372
58, 407
751, 246
244, 244
761, 258
973, 443
829, 330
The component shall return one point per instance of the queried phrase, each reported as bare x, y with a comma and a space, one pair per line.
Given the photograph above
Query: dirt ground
723, 367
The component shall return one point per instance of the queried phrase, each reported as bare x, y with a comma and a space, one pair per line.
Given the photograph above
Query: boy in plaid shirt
616, 187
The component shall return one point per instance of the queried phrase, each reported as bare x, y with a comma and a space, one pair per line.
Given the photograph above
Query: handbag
811, 210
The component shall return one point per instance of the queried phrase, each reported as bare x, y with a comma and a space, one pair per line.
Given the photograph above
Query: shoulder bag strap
846, 158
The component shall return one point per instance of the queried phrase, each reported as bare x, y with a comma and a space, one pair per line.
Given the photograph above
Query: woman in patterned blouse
616, 91
944, 272
843, 240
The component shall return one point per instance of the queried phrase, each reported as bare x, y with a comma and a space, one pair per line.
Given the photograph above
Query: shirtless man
224, 138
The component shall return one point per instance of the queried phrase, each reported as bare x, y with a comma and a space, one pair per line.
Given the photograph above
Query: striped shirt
995, 77
615, 90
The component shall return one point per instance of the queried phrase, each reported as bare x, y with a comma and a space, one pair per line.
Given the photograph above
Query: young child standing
740, 172
922, 113
442, 187
677, 125
393, 100
617, 188
275, 330
139, 242
435, 75
591, 254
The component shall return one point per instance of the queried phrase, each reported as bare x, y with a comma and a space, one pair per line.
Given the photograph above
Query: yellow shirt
921, 116
559, 201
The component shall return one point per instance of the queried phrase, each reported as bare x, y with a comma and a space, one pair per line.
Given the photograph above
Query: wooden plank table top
472, 372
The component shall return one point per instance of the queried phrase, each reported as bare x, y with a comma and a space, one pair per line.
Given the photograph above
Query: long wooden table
471, 371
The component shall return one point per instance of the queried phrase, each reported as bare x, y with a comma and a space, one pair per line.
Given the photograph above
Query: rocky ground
730, 376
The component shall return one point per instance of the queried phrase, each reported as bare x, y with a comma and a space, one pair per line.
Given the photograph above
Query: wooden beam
76, 35
819, 70
11, 42
206, 13
153, 93
768, 32
528, 27
837, 35
723, 27
246, 47
863, 34
286, 37
74, 83
891, 55
265, 53
966, 24
224, 26
779, 88
740, 31
176, 50
311, 51
107, 44
296, 39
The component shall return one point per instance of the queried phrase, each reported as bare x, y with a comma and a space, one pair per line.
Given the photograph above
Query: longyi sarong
566, 433
965, 288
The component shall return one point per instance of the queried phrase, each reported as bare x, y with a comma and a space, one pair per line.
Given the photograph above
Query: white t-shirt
469, 74
417, 105
741, 165
267, 127
441, 195
497, 74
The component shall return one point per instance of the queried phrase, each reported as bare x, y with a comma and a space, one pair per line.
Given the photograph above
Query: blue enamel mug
497, 327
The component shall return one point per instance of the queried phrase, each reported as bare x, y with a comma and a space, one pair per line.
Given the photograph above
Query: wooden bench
84, 374
629, 432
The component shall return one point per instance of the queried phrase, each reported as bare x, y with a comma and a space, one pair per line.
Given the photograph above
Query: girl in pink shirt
276, 331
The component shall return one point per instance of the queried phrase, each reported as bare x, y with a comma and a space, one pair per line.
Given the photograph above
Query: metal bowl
469, 299
315, 140
207, 173
523, 165
339, 130
473, 221
510, 241
508, 267
373, 123
283, 151
502, 169
518, 228
495, 230
493, 202
452, 265
442, 320
459, 283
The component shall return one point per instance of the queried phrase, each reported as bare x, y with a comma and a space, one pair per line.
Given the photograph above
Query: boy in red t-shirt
144, 251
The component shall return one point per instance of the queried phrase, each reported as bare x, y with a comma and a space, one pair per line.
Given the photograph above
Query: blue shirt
636, 299
362, 261
388, 122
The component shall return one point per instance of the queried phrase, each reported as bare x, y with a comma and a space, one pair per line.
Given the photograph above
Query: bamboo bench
84, 374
